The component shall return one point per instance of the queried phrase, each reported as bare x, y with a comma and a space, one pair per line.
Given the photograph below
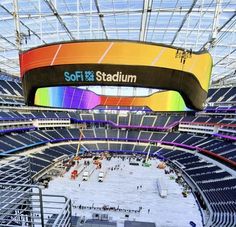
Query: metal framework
24, 204
196, 25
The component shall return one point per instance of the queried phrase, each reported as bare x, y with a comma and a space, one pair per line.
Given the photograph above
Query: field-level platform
128, 192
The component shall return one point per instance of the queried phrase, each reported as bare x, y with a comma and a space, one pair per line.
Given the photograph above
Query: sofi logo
80, 76
91, 76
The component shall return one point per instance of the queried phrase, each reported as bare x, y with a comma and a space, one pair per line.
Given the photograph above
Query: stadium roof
192, 24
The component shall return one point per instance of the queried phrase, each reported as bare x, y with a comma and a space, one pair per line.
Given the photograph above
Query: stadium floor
119, 189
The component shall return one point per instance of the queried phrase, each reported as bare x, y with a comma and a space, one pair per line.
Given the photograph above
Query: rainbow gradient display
76, 98
150, 65
117, 52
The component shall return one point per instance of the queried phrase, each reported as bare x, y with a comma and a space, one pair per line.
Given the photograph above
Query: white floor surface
120, 189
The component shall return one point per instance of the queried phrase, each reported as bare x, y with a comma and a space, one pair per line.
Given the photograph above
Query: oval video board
117, 63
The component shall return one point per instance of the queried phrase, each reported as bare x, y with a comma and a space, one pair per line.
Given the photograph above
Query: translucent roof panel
192, 24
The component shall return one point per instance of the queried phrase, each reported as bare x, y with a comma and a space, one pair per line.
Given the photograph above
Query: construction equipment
88, 172
102, 174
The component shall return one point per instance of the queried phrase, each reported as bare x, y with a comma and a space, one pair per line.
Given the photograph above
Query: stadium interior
144, 168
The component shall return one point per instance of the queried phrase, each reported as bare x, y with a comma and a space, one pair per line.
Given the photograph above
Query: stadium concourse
160, 152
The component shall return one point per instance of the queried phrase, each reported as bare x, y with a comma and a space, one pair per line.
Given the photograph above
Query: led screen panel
75, 98
117, 63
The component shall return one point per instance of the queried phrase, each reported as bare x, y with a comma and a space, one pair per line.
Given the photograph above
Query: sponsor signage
99, 76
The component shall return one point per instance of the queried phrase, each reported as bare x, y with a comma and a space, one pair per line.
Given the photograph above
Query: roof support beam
17, 24
214, 31
183, 21
101, 18
22, 23
164, 11
14, 61
147, 8
55, 12
234, 50
230, 75
9, 65
8, 41
221, 29
231, 18
133, 29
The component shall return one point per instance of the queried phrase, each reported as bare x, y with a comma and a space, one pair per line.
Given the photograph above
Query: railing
24, 204
27, 206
